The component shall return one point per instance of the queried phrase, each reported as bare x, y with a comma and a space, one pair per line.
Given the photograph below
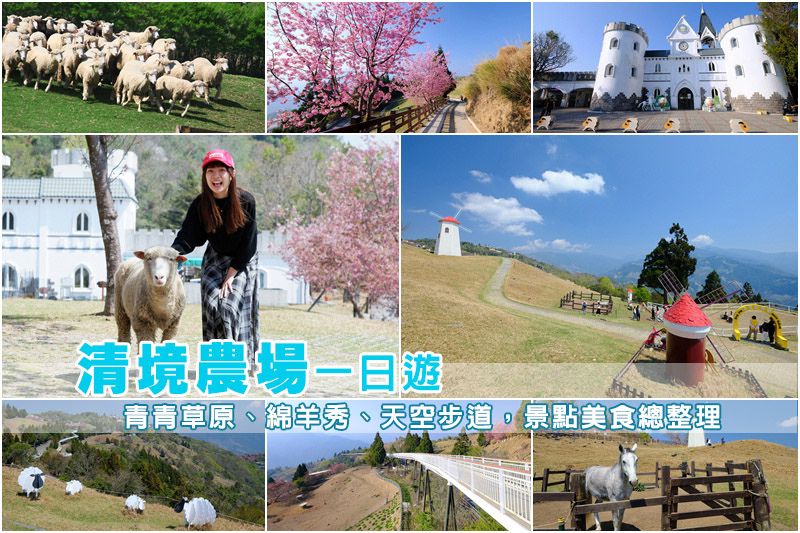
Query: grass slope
533, 286
444, 310
779, 463
240, 109
90, 510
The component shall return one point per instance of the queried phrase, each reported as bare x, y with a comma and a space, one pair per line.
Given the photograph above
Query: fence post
502, 490
656, 474
709, 473
731, 486
545, 476
760, 508
578, 483
666, 491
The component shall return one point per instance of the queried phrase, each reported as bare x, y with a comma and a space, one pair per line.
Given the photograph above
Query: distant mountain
786, 261
290, 450
775, 284
578, 262
238, 443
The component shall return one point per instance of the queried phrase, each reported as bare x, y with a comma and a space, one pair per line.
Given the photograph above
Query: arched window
609, 71
8, 221
734, 43
82, 222
614, 43
712, 67
688, 69
658, 67
714, 92
9, 277
759, 38
738, 70
633, 72
82, 278
656, 93
635, 45
767, 67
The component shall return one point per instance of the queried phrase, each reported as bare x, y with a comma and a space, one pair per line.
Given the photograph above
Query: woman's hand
225, 289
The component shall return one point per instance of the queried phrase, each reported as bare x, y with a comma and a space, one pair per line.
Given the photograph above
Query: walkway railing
501, 488
409, 120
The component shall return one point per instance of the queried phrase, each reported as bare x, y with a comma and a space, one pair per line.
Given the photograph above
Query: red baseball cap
219, 155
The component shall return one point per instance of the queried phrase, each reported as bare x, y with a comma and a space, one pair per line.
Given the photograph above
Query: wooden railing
412, 119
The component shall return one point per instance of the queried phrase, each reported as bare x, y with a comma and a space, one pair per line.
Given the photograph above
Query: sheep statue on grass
134, 504
197, 512
151, 295
74, 487
31, 481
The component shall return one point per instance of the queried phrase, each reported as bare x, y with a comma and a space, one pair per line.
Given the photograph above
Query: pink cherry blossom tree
354, 244
426, 77
335, 58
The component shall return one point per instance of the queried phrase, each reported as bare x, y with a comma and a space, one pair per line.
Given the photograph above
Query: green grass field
240, 110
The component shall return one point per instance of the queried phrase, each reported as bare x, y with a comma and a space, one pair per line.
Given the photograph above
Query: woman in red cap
225, 216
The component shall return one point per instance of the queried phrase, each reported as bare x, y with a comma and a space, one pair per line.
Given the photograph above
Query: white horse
613, 483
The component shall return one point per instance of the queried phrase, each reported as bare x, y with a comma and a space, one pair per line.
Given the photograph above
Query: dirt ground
337, 504
779, 463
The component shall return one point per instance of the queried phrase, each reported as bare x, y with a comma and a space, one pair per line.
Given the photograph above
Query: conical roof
705, 22
450, 219
685, 312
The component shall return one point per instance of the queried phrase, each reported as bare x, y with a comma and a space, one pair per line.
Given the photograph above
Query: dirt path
342, 501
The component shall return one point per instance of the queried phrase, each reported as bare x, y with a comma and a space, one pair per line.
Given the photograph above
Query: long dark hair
210, 216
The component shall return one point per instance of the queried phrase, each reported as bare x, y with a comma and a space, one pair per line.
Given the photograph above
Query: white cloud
482, 177
559, 245
418, 211
560, 182
789, 423
496, 211
518, 229
551, 149
703, 239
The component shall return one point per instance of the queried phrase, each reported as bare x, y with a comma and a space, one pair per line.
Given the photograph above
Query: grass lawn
240, 109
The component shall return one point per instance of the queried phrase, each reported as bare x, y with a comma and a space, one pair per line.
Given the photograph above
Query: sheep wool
74, 487
196, 512
29, 479
135, 503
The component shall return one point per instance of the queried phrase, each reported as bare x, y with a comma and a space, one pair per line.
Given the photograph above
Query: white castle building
730, 64
53, 244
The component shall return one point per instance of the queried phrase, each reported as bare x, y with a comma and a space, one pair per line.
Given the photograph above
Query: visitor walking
753, 330
583, 307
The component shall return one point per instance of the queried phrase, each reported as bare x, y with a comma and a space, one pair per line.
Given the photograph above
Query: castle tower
620, 71
754, 80
448, 241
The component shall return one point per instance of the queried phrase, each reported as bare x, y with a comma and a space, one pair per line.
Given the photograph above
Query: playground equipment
591, 123
655, 341
780, 340
738, 126
673, 125
545, 122
630, 124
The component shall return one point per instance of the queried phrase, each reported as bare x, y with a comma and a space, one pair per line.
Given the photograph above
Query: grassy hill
89, 510
445, 310
240, 109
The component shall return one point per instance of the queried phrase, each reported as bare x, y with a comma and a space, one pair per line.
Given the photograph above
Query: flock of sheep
197, 512
138, 65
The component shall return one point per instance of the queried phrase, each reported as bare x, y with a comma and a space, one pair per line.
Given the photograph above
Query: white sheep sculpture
135, 504
74, 487
31, 481
151, 295
197, 512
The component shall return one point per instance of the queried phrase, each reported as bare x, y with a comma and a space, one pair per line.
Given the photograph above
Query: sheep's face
160, 264
200, 89
152, 75
62, 27
168, 68
155, 31
190, 67
22, 52
58, 56
223, 64
108, 27
98, 68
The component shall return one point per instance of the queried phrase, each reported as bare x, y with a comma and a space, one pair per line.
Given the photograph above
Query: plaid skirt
236, 316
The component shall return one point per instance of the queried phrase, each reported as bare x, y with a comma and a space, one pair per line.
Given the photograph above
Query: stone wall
773, 104
618, 103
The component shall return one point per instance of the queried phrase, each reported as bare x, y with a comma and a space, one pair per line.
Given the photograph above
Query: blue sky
593, 194
581, 23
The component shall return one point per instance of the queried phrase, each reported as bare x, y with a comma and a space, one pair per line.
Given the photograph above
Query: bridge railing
506, 484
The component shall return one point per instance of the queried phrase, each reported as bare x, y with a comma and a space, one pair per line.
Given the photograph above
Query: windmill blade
728, 357
465, 228
437, 215
730, 289
671, 284
457, 213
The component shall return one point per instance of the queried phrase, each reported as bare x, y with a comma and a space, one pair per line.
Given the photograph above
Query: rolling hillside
89, 510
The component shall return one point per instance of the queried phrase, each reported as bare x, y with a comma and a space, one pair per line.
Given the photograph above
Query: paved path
570, 120
451, 118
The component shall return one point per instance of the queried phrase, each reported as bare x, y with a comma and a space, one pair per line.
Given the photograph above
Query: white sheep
184, 70
211, 74
59, 40
73, 54
90, 72
31, 481
166, 47
74, 487
160, 63
17, 39
177, 89
30, 24
151, 294
197, 512
135, 504
12, 57
149, 35
61, 25
38, 39
127, 53
42, 63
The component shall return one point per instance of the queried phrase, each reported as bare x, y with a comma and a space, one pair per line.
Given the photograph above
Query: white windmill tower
448, 241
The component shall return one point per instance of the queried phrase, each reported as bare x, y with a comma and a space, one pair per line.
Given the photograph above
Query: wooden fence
743, 508
412, 118
596, 304
626, 391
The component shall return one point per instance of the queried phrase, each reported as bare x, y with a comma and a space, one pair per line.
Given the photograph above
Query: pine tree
425, 444
302, 470
712, 283
376, 454
461, 446
674, 255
